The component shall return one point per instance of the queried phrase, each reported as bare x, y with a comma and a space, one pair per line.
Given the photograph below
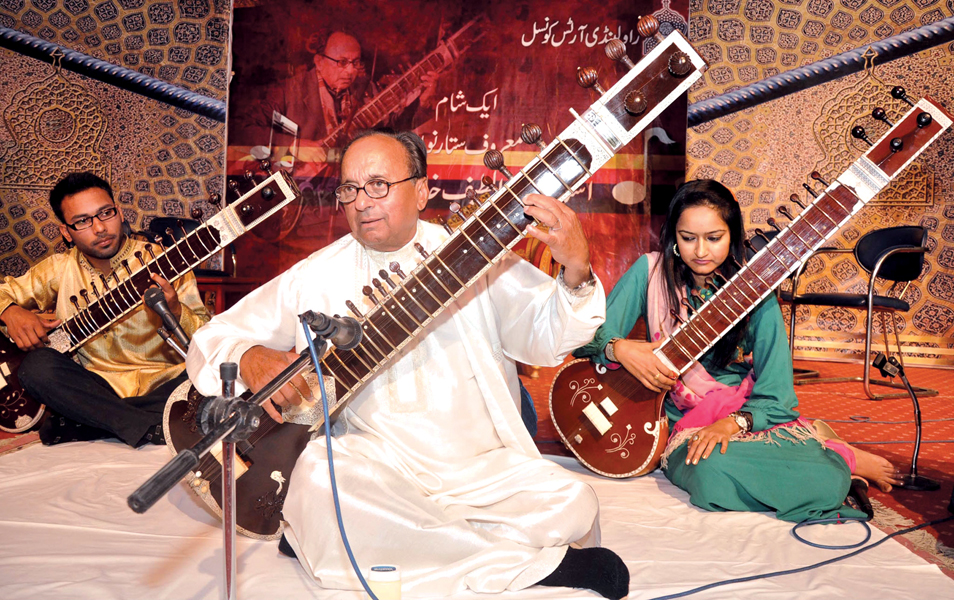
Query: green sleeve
625, 304
773, 399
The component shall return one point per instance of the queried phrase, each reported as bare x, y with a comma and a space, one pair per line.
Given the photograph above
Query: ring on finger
695, 438
656, 377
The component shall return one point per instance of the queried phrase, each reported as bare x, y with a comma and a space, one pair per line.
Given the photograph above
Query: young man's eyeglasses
344, 62
374, 188
104, 215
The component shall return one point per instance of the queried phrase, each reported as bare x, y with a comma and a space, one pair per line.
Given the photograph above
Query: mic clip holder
213, 411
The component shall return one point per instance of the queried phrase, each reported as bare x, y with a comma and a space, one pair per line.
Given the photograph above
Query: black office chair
895, 254
159, 225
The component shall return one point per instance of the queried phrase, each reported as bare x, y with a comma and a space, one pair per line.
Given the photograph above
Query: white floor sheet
67, 533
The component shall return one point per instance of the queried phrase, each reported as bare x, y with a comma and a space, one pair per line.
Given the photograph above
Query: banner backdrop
465, 77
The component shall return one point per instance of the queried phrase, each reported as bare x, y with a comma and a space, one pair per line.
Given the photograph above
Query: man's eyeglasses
104, 215
344, 62
374, 188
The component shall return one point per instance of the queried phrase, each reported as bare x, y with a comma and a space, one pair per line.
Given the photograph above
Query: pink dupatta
701, 398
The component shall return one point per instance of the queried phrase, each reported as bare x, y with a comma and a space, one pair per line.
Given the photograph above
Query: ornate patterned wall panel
159, 160
764, 154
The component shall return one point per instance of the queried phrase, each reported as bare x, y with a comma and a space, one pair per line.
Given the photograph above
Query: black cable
802, 569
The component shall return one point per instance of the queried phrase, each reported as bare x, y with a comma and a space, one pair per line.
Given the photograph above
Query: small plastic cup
385, 582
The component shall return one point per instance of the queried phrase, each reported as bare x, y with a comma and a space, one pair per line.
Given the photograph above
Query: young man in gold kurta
122, 377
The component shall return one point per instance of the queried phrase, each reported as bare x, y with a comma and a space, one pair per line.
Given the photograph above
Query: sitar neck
794, 244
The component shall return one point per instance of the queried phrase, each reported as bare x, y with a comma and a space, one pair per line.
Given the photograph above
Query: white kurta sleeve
539, 321
266, 317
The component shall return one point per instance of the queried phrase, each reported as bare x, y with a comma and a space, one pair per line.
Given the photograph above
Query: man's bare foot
875, 469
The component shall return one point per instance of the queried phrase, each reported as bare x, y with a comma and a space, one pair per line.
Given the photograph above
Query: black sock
597, 569
59, 430
285, 548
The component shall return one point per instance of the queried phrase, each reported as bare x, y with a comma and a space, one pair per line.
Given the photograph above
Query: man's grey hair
413, 146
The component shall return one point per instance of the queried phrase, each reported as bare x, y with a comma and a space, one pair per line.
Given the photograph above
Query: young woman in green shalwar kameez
740, 398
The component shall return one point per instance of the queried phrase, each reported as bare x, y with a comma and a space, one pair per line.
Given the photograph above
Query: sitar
612, 423
405, 310
119, 297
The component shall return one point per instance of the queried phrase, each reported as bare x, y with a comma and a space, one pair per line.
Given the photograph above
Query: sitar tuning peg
104, 281
138, 255
196, 213
675, 316
588, 78
265, 165
470, 196
216, 200
455, 210
616, 50
762, 235
635, 103
75, 302
488, 182
817, 177
898, 93
234, 187
648, 27
379, 286
152, 255
531, 133
924, 119
420, 249
85, 296
747, 242
494, 159
689, 307
783, 210
354, 309
249, 176
396, 269
444, 224
809, 189
879, 114
367, 291
680, 64
858, 132
92, 284
794, 198
774, 224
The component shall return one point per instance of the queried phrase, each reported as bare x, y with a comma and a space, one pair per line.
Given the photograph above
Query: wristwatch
743, 420
608, 349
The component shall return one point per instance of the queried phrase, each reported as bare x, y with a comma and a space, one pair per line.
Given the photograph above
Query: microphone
154, 299
343, 332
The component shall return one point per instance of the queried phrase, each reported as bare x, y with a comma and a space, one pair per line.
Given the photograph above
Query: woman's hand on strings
638, 358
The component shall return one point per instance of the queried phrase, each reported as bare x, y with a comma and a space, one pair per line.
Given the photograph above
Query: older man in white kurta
436, 471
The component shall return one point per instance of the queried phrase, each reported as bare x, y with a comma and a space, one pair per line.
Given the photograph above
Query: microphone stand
167, 338
890, 367
228, 419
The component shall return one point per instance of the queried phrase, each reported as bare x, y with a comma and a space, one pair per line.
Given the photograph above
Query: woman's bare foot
875, 469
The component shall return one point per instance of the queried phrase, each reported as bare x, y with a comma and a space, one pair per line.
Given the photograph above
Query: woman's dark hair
74, 183
677, 274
